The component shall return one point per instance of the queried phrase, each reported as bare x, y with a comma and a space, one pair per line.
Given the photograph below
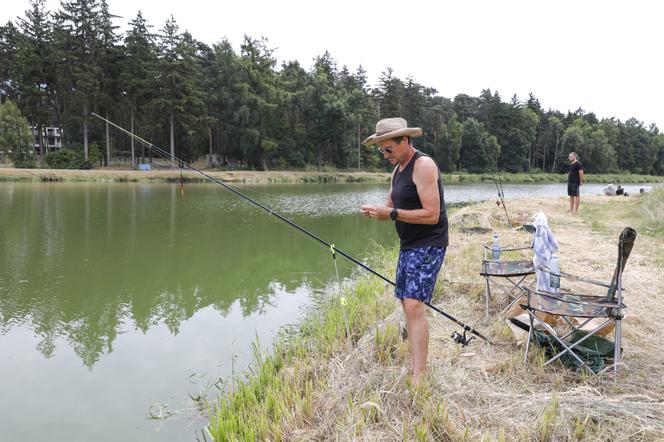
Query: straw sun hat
391, 128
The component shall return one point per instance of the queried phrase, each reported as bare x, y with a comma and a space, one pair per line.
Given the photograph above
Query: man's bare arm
425, 177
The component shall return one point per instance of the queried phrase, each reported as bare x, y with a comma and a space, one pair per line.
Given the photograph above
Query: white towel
544, 246
610, 190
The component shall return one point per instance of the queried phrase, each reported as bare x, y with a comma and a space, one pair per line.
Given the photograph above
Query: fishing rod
461, 339
501, 195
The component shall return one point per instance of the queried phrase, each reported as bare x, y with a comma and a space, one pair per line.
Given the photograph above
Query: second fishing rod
501, 195
496, 179
461, 339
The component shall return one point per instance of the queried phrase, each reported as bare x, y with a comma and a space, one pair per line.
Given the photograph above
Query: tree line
195, 98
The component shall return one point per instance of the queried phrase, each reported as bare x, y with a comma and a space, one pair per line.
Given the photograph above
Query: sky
603, 56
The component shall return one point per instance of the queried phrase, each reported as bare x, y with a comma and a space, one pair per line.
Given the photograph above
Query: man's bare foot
417, 380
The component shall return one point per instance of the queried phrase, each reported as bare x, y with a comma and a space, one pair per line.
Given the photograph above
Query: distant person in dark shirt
574, 182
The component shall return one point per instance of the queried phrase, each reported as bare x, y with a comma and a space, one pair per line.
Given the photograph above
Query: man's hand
378, 212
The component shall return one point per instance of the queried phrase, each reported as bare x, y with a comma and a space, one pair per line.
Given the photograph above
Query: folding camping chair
584, 317
507, 275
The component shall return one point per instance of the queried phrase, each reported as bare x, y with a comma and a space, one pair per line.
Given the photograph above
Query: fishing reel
461, 338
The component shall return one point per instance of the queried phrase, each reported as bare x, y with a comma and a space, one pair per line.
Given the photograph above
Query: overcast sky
603, 56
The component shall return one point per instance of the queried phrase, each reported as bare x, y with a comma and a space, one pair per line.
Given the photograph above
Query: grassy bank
314, 387
252, 177
532, 178
277, 397
188, 176
651, 212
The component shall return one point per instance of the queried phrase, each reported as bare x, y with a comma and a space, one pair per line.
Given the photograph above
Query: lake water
120, 300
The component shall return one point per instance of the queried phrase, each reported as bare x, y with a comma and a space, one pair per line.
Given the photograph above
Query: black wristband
394, 214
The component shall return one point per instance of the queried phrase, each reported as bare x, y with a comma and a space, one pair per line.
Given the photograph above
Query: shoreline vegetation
316, 385
292, 177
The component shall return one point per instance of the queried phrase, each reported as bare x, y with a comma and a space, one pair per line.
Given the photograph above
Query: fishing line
167, 155
342, 298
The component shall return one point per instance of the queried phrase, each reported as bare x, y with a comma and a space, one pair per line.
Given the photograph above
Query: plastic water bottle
554, 277
495, 248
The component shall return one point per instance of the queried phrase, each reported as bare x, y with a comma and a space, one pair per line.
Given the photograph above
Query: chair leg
513, 292
552, 332
514, 301
569, 348
487, 296
616, 348
512, 296
530, 336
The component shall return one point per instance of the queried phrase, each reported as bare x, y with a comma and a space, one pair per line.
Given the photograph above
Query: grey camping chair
508, 276
575, 343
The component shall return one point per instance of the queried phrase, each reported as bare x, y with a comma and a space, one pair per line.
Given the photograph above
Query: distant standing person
416, 205
574, 182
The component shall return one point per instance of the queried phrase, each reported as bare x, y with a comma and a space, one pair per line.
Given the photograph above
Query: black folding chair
571, 338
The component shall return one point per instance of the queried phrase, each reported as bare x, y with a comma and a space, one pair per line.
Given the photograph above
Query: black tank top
404, 196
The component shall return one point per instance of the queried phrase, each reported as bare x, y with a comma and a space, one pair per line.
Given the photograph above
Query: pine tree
414, 106
139, 66
76, 36
327, 112
294, 145
9, 36
448, 153
644, 154
390, 95
220, 85
479, 150
109, 58
361, 115
36, 68
178, 81
260, 96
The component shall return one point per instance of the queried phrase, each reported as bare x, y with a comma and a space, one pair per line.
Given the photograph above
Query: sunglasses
389, 150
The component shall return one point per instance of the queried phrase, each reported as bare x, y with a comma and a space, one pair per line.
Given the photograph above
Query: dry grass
484, 392
317, 387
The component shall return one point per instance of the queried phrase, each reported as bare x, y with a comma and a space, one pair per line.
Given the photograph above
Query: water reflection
85, 262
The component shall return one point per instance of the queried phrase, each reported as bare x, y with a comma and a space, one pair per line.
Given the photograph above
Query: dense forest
194, 99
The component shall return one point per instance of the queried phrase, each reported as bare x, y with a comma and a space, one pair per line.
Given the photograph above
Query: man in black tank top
574, 182
416, 204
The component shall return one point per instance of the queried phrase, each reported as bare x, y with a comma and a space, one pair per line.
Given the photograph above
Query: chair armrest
506, 249
544, 268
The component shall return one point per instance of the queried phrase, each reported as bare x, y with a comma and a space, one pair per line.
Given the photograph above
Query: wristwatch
394, 214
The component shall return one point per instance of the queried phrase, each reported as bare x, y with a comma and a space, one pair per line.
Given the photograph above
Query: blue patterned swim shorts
417, 272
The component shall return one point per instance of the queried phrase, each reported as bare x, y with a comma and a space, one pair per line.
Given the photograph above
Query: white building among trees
51, 136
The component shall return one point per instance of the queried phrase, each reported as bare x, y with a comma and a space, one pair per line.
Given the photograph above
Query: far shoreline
109, 175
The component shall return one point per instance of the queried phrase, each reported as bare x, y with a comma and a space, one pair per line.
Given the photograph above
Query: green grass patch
547, 420
276, 395
14, 178
651, 212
